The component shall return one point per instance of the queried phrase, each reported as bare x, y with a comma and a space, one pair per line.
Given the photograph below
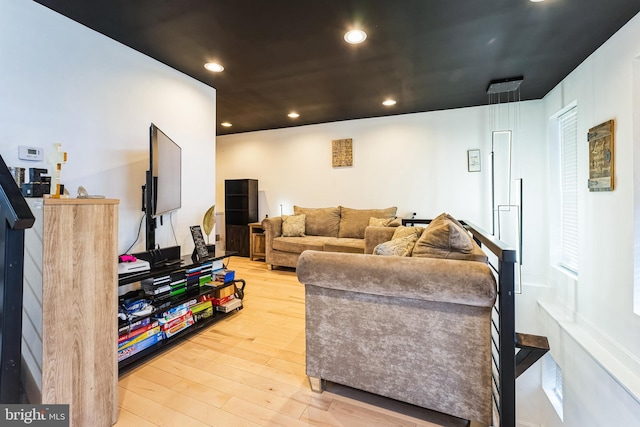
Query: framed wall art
601, 157
341, 153
473, 160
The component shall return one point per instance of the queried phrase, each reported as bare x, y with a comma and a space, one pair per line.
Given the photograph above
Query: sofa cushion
354, 246
299, 244
402, 246
293, 225
354, 221
320, 221
318, 243
443, 238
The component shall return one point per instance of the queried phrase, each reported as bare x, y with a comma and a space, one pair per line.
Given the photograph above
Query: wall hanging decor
473, 160
601, 158
341, 152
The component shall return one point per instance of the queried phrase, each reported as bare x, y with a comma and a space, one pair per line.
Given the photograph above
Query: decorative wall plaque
473, 160
341, 152
601, 161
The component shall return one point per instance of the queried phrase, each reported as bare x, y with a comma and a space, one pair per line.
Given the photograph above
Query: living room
69, 84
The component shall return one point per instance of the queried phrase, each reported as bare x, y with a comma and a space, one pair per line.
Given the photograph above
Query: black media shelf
163, 305
160, 347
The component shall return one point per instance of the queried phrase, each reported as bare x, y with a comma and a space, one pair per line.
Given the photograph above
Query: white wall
62, 82
418, 163
593, 331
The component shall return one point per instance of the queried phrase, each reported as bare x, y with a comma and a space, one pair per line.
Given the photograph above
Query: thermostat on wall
30, 153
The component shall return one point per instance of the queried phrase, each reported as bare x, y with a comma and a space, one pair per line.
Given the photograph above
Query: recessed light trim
355, 36
293, 115
226, 124
214, 66
389, 102
536, 1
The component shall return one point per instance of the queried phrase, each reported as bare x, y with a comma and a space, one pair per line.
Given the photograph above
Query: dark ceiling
285, 55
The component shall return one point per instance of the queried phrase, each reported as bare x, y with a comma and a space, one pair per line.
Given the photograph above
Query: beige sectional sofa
416, 328
332, 229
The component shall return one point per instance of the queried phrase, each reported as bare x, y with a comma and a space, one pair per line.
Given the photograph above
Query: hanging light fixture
506, 201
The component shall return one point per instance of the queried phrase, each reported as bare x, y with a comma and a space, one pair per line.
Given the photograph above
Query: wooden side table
256, 241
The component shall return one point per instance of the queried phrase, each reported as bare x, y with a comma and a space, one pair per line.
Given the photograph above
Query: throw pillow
397, 247
403, 231
396, 222
385, 222
379, 222
442, 237
293, 225
445, 215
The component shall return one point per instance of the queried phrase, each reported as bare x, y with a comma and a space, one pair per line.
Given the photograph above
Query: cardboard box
222, 301
230, 306
202, 311
173, 327
138, 338
130, 327
224, 292
224, 276
126, 336
138, 347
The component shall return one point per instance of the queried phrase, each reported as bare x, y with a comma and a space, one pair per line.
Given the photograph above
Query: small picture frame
200, 251
473, 160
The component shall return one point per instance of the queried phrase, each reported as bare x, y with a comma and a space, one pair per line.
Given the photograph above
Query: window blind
568, 123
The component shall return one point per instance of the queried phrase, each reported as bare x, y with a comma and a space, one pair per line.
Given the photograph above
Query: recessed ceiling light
389, 102
226, 124
293, 115
355, 36
536, 1
213, 66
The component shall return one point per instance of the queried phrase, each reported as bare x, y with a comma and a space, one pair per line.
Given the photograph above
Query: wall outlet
217, 237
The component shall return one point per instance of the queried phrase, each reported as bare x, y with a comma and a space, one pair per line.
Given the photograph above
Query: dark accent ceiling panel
285, 55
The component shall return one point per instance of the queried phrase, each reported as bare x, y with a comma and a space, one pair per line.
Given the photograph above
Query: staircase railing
507, 364
17, 217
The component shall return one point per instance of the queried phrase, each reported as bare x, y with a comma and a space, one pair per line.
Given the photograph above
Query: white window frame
568, 187
557, 245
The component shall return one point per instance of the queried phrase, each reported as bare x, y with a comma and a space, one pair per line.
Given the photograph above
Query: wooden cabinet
70, 307
256, 241
240, 209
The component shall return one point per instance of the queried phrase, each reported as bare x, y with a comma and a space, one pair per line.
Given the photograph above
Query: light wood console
70, 308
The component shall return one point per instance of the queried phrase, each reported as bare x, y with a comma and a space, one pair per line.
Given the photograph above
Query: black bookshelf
240, 209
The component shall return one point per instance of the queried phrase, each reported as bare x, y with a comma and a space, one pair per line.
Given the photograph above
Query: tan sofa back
320, 221
354, 221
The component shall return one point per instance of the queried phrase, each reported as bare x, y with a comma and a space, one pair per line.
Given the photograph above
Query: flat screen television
163, 193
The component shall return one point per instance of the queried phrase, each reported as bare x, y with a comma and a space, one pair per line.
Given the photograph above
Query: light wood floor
248, 370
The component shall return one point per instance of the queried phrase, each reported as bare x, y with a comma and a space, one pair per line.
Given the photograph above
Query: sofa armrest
272, 228
373, 236
432, 279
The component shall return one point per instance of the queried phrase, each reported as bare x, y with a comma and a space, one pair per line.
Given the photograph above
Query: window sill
623, 367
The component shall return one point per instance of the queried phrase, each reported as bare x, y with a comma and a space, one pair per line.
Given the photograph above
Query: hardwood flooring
249, 370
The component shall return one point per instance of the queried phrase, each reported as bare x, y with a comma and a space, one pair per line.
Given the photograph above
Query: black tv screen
166, 171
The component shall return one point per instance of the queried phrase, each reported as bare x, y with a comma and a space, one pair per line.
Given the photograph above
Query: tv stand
130, 286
